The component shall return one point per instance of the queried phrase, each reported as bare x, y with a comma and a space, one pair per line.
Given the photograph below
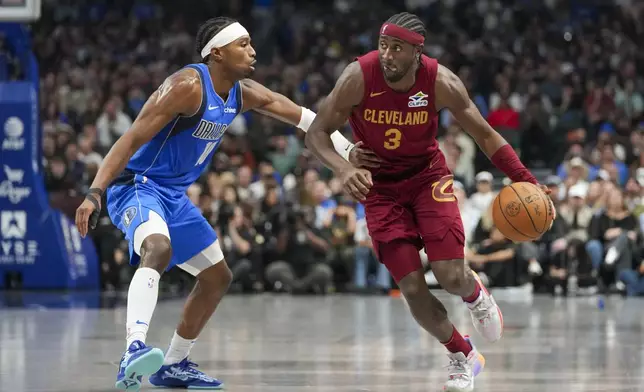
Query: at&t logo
14, 128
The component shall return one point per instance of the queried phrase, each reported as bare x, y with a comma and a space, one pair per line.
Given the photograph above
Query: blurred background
561, 81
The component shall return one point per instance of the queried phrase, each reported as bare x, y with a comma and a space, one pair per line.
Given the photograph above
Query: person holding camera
243, 252
303, 268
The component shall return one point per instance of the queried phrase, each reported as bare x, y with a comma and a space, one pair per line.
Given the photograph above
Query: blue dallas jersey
176, 156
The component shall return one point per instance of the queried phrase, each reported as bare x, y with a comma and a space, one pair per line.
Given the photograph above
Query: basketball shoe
184, 375
486, 314
138, 361
462, 370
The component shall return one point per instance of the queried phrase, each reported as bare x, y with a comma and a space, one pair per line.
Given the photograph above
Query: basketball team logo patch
129, 216
418, 100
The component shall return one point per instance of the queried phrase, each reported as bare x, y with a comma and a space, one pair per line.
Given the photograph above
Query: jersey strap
185, 123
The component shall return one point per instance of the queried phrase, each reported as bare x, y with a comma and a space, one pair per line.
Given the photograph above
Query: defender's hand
356, 182
88, 212
363, 157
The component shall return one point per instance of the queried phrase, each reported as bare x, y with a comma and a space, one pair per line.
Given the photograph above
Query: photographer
339, 230
243, 253
303, 269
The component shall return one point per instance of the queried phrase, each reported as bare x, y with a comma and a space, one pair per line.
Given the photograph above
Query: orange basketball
522, 212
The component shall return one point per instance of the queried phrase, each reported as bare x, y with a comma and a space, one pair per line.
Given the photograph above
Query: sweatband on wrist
340, 143
506, 160
306, 119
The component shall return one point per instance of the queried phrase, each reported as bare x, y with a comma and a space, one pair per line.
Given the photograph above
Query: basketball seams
526, 210
506, 218
546, 205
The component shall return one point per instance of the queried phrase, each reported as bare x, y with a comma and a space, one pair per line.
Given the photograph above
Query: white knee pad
154, 225
204, 259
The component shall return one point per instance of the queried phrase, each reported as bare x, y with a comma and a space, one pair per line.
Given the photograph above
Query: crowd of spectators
557, 78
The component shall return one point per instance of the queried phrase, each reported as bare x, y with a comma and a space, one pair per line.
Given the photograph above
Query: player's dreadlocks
209, 29
410, 22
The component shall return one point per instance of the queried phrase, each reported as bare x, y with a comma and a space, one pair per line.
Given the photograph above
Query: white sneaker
486, 314
462, 370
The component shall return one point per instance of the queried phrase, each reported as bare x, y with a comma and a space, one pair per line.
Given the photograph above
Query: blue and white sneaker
184, 375
138, 361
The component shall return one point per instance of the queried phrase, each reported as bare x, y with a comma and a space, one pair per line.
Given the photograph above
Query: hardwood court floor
272, 343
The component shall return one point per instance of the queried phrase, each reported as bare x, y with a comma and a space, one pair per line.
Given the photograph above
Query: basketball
522, 212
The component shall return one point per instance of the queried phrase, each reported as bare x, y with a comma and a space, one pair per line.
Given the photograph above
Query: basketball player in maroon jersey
392, 97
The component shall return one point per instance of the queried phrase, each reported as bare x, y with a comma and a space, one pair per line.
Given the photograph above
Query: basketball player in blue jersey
146, 175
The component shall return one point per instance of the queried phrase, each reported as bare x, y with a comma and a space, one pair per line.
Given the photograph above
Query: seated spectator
112, 124
576, 214
481, 200
527, 252
606, 138
244, 178
324, 204
634, 158
638, 201
339, 231
366, 261
495, 261
272, 226
459, 147
615, 168
613, 235
267, 177
577, 172
243, 254
303, 268
599, 191
574, 263
504, 118
470, 215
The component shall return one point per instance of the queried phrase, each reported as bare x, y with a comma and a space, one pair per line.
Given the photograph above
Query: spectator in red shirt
504, 117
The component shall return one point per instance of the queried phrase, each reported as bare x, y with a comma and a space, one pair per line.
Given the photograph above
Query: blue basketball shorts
142, 207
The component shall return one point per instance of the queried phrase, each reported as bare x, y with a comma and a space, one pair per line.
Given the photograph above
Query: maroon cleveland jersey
399, 127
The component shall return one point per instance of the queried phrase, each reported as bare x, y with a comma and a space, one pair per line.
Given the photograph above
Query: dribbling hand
88, 212
548, 192
363, 157
356, 182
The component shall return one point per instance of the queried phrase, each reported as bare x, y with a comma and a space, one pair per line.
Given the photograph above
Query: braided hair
208, 30
410, 22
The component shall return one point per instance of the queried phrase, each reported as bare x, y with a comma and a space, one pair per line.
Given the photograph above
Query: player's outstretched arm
333, 113
262, 100
451, 94
179, 94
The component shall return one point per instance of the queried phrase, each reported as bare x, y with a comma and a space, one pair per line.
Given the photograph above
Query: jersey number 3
393, 137
204, 155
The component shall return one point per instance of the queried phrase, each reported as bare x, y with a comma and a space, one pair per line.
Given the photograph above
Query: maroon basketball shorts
422, 211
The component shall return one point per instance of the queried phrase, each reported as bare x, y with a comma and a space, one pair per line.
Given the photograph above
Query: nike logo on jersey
210, 107
376, 94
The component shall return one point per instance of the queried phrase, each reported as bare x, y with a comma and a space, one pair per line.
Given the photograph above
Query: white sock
179, 349
141, 301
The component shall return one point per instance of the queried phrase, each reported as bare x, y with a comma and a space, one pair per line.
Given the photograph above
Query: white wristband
342, 145
306, 119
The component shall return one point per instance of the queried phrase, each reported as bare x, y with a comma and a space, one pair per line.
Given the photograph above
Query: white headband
227, 35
